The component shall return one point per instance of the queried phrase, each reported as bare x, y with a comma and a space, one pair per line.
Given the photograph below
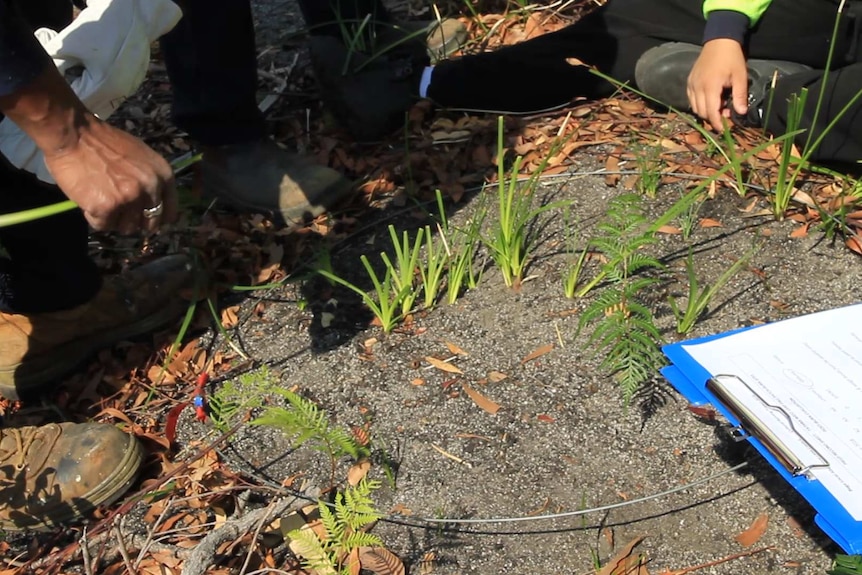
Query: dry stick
102, 526
121, 546
150, 533
85, 554
688, 570
253, 539
202, 556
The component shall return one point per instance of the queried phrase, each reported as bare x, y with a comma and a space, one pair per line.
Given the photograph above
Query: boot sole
106, 493
30, 376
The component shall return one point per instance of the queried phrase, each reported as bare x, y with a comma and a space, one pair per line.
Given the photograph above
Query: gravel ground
562, 440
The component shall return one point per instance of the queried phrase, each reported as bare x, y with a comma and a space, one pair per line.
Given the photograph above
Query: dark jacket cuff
22, 58
726, 24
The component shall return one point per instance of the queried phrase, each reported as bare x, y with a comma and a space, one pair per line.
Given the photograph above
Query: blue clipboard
690, 379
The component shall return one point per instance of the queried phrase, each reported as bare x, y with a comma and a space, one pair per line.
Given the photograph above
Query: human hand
721, 65
119, 182
114, 177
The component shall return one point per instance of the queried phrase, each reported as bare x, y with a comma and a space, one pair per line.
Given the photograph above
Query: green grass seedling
572, 272
386, 307
699, 297
433, 268
404, 269
648, 159
510, 243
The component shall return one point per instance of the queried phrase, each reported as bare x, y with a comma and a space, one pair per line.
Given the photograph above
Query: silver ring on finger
155, 211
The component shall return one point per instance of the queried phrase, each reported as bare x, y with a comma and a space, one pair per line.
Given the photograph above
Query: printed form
802, 377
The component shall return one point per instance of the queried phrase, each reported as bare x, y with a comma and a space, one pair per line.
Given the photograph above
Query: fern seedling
234, 399
346, 523
625, 328
846, 565
699, 297
306, 423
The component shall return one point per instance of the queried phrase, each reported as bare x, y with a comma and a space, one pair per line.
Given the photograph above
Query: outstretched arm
110, 174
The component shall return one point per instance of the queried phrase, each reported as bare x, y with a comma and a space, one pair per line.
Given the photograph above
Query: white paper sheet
810, 367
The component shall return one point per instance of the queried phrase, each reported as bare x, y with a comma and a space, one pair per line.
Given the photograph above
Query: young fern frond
625, 328
306, 422
333, 523
344, 522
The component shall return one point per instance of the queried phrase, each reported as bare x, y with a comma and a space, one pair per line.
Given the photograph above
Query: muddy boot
371, 100
370, 93
56, 473
262, 177
37, 349
662, 73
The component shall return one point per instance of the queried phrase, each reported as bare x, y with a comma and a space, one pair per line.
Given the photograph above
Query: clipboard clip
750, 425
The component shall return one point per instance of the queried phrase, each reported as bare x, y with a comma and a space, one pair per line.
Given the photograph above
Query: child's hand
721, 65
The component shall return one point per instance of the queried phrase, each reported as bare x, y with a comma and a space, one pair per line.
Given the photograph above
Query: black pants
535, 75
211, 60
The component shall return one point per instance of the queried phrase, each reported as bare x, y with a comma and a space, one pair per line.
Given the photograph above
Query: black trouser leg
212, 64
541, 73
46, 266
53, 14
843, 142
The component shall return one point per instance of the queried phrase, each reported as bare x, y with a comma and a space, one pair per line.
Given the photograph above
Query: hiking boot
37, 349
438, 40
662, 73
55, 473
372, 98
263, 177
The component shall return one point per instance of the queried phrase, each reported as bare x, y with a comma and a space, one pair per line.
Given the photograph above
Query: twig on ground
260, 525
121, 547
85, 554
202, 556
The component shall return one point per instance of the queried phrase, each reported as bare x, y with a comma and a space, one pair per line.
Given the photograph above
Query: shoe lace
23, 442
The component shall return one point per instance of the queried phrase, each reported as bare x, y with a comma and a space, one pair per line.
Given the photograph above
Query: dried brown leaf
480, 400
800, 232
230, 317
496, 376
709, 223
753, 534
537, 353
454, 349
381, 561
442, 365
358, 471
623, 563
668, 229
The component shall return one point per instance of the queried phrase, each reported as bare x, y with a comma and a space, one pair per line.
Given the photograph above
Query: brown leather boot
56, 473
37, 349
262, 177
